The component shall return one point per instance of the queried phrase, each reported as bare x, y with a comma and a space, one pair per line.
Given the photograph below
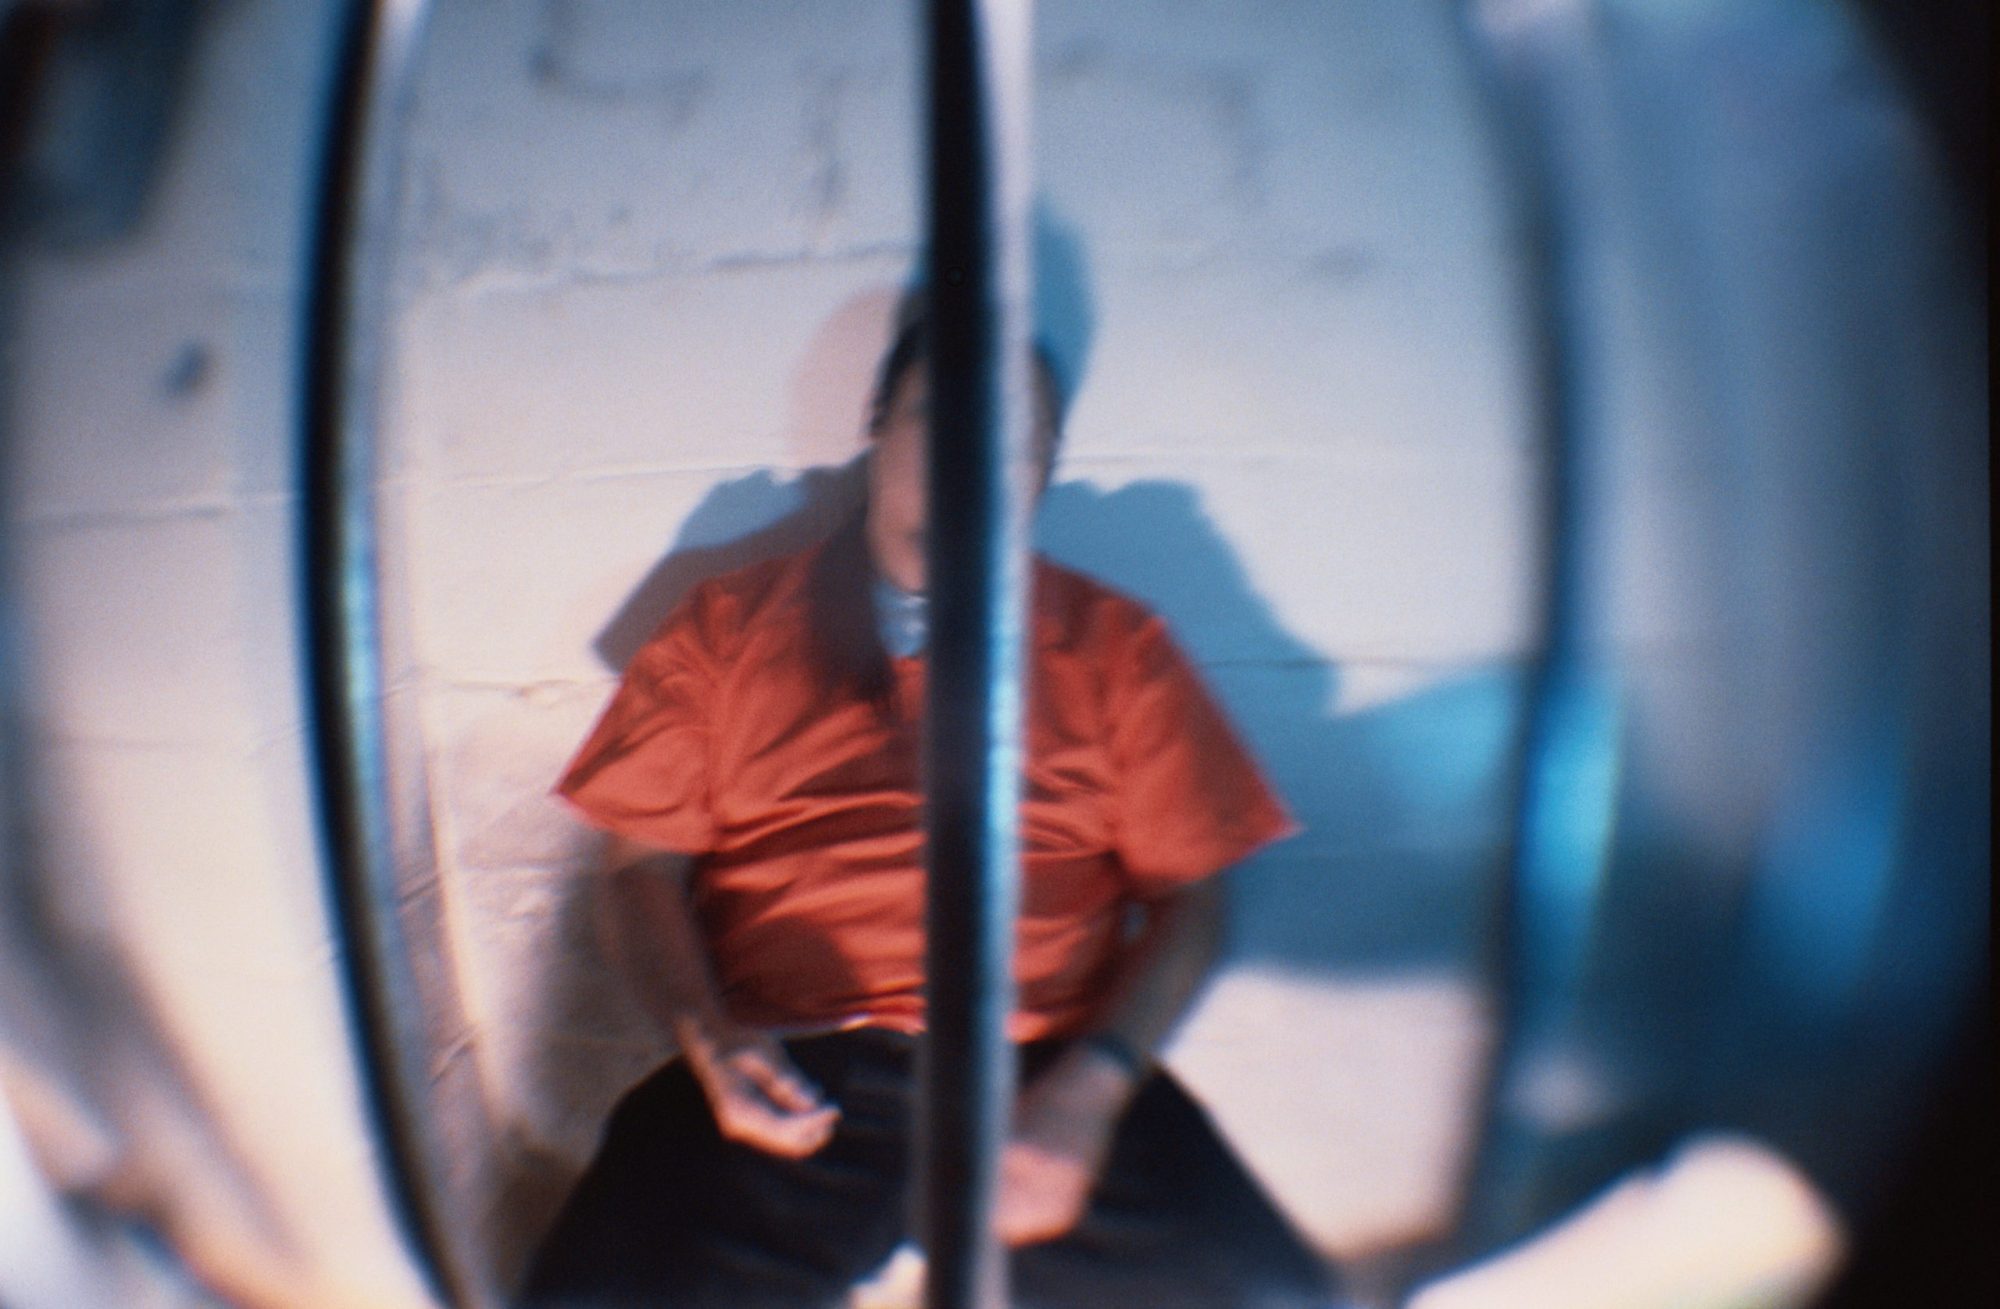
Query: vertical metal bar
1568, 750
979, 501
340, 377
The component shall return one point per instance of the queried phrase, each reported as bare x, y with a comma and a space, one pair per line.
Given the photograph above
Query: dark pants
670, 1213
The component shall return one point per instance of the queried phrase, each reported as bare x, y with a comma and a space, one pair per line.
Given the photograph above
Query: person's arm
1064, 1119
756, 1094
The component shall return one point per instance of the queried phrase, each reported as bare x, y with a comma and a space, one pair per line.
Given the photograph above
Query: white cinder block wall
174, 1034
647, 256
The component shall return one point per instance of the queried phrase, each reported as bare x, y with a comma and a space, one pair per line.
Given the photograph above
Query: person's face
899, 482
899, 475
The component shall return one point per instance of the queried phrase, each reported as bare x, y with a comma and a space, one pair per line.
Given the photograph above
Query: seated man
758, 768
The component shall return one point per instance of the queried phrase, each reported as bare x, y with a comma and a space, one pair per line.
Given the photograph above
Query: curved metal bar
340, 377
1568, 752
1798, 784
979, 435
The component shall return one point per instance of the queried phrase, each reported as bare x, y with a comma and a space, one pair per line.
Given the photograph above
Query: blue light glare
1827, 871
1571, 798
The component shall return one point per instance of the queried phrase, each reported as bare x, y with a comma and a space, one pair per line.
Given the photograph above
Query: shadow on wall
795, 514
1403, 802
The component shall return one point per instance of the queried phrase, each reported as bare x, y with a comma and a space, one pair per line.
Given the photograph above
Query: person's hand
758, 1096
1063, 1123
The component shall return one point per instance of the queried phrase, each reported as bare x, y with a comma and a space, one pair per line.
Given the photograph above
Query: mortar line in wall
463, 1045
1143, 257
612, 472
199, 506
60, 519
485, 283
429, 881
1077, 467
1203, 451
1473, 841
1376, 661
1470, 842
418, 484
499, 280
413, 486
512, 687
406, 685
1288, 661
214, 286
1336, 663
533, 868
1368, 661
807, 255
240, 750
1372, 661
599, 473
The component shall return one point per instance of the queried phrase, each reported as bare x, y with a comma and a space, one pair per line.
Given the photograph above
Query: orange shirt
805, 808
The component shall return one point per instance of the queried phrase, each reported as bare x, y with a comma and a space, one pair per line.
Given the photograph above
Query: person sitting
758, 771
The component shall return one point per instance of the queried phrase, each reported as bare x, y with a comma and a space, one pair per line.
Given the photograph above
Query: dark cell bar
340, 600
1557, 860
979, 433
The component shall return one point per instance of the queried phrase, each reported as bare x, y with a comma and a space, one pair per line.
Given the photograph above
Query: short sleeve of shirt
644, 770
1190, 799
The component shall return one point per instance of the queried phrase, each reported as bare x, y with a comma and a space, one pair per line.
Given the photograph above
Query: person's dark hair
905, 351
846, 646
911, 346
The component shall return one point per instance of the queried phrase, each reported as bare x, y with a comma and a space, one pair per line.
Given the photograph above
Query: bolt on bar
980, 415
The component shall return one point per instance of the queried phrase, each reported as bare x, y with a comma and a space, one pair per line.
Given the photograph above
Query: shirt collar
902, 618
